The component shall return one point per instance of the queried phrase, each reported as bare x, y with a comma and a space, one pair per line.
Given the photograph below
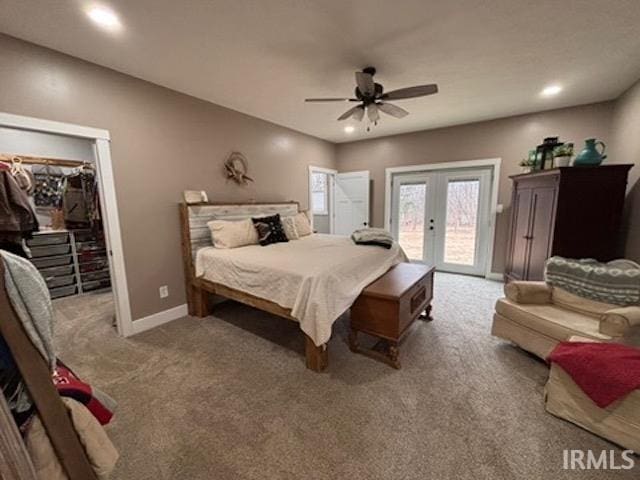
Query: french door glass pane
462, 221
411, 219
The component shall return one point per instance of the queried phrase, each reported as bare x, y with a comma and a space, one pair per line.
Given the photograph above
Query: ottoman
618, 423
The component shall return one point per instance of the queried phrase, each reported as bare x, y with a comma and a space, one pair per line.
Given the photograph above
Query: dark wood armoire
573, 212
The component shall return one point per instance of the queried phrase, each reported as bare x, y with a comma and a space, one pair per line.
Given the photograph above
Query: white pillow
230, 234
290, 230
302, 225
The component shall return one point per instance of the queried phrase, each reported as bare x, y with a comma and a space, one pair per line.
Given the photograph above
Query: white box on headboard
195, 196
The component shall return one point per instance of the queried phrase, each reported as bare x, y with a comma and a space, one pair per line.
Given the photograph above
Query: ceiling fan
372, 99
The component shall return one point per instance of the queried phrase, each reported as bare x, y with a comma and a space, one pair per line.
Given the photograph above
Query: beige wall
625, 142
509, 139
162, 143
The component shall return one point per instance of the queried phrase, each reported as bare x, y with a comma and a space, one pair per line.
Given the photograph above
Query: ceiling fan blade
359, 113
372, 113
355, 112
393, 110
331, 100
365, 84
411, 92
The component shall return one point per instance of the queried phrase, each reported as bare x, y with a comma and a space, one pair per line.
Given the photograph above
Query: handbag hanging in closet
79, 198
48, 189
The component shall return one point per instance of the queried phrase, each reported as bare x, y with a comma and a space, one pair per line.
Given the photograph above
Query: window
320, 193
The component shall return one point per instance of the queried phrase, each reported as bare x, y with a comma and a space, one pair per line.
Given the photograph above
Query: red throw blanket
606, 372
69, 385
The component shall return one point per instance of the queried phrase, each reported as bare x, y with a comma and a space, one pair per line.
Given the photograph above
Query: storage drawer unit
96, 285
63, 291
52, 254
50, 250
93, 276
70, 264
57, 271
83, 247
48, 239
99, 263
93, 264
63, 281
47, 262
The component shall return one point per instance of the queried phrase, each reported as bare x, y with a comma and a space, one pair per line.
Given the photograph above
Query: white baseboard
160, 318
498, 277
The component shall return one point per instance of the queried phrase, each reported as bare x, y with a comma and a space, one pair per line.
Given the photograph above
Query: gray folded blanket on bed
372, 236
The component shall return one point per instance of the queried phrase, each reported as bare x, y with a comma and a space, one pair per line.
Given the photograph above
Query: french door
442, 218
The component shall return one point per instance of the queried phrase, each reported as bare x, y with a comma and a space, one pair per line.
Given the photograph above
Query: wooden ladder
15, 463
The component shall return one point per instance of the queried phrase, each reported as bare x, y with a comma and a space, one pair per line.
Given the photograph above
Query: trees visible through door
461, 222
411, 219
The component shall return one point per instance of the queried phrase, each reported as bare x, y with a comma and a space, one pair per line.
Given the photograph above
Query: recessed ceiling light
551, 90
104, 18
349, 129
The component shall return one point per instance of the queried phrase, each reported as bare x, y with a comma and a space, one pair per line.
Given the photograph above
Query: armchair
536, 317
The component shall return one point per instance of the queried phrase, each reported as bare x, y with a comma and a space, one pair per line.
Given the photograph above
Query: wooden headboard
194, 218
198, 215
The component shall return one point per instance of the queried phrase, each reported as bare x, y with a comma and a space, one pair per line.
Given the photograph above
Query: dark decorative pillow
270, 230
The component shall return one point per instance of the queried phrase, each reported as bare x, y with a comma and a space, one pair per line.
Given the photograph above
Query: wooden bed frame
198, 289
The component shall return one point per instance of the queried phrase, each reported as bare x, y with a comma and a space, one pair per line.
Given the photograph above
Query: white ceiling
263, 57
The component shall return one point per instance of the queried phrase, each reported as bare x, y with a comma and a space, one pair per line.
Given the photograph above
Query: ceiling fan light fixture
372, 98
349, 129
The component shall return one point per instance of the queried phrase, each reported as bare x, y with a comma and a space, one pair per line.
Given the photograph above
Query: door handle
431, 228
528, 237
365, 224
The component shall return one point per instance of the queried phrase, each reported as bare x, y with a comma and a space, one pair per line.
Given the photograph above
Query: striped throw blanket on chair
616, 282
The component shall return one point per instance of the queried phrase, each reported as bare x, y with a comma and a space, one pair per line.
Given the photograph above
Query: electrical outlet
164, 291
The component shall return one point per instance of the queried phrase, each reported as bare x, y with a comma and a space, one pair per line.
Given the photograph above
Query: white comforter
318, 277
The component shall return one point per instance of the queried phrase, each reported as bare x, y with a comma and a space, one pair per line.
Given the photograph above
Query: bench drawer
414, 302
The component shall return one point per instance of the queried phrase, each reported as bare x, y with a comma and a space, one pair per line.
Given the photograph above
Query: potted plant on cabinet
562, 155
527, 165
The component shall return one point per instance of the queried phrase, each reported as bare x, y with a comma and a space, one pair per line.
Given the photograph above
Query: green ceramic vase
590, 156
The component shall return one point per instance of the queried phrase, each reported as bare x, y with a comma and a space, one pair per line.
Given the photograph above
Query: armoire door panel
519, 235
542, 222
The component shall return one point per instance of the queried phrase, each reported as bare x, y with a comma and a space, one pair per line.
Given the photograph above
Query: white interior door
442, 218
352, 202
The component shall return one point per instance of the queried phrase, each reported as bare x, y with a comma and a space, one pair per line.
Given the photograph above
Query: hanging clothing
16, 214
24, 177
79, 199
17, 219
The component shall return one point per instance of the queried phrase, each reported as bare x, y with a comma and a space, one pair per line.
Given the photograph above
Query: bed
312, 280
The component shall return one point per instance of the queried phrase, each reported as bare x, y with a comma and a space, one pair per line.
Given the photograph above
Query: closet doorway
76, 242
444, 217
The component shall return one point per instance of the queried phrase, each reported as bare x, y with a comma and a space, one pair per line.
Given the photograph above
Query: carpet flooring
228, 397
